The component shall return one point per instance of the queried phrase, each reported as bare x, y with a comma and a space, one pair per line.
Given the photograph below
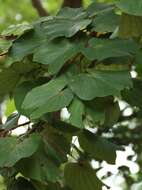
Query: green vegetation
81, 59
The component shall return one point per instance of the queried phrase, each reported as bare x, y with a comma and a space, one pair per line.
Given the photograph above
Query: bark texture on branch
40, 9
72, 3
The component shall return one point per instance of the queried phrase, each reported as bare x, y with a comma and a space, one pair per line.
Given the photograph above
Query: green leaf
25, 45
67, 23
17, 29
38, 96
14, 149
19, 95
39, 167
99, 49
100, 84
131, 96
98, 8
81, 177
11, 121
57, 146
130, 6
55, 54
98, 147
4, 46
106, 22
54, 103
130, 26
76, 110
8, 81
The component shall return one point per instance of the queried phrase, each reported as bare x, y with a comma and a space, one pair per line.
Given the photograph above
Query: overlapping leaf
132, 7
13, 149
100, 49
56, 53
4, 46
100, 84
67, 23
81, 177
98, 147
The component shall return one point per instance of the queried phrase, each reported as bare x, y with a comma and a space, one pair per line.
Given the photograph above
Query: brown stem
72, 3
40, 9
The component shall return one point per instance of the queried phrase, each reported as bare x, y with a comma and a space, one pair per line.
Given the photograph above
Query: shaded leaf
81, 177
11, 121
130, 26
98, 147
39, 167
13, 149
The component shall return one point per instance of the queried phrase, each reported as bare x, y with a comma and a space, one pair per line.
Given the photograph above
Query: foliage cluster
79, 59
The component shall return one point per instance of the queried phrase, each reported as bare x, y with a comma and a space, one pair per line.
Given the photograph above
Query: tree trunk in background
72, 3
37, 4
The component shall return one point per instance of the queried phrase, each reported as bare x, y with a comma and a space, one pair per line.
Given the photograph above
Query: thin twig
40, 9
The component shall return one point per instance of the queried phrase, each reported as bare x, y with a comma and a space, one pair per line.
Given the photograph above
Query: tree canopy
84, 60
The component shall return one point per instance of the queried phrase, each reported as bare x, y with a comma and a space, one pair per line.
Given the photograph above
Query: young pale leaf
130, 26
100, 84
55, 54
13, 149
54, 103
100, 49
98, 147
81, 177
4, 46
132, 7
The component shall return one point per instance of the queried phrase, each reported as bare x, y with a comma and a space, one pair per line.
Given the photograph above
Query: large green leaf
106, 22
39, 167
98, 147
100, 84
54, 103
40, 95
26, 44
67, 23
98, 8
132, 7
55, 54
130, 26
81, 177
13, 149
103, 48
